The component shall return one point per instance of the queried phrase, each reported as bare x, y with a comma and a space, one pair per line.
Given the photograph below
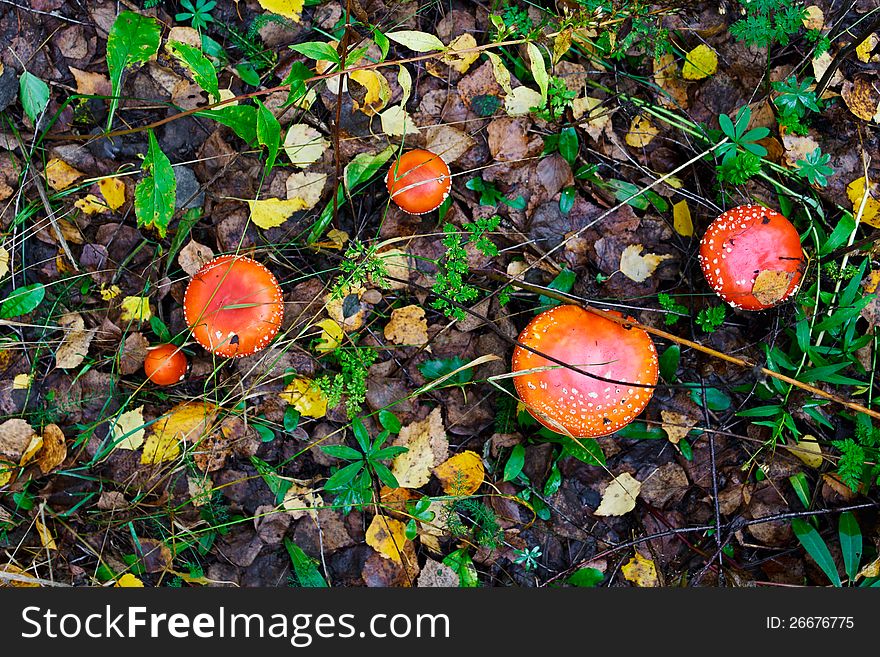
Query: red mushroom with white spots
752, 257
419, 181
233, 306
620, 364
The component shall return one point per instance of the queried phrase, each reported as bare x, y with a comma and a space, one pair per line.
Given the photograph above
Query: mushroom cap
165, 365
234, 306
585, 406
752, 257
419, 181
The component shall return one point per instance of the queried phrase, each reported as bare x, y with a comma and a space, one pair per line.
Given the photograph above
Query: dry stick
742, 362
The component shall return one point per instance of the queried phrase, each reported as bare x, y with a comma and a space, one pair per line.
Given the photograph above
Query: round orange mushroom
752, 257
419, 181
620, 363
233, 306
165, 365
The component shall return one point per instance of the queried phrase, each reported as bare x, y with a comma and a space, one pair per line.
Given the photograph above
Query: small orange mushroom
620, 363
419, 181
165, 365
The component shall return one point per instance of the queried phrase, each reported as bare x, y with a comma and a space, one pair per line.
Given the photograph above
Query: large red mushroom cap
584, 406
752, 257
419, 181
234, 306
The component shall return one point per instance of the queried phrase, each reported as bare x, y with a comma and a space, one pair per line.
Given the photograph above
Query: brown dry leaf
448, 142
461, 474
11, 569
641, 132
861, 98
437, 575
870, 570
74, 346
128, 431
301, 500
641, 571
666, 77
111, 500
193, 256
305, 187
397, 266
637, 267
598, 117
814, 18
807, 449
15, 436
186, 422
46, 538
54, 449
153, 555
60, 175
821, 64
619, 497
91, 84
856, 192
797, 147
387, 536
681, 219
770, 286
428, 447
407, 326
676, 425
134, 352
346, 308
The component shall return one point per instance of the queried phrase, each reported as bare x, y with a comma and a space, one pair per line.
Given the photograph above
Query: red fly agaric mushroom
165, 365
752, 257
234, 306
620, 364
419, 181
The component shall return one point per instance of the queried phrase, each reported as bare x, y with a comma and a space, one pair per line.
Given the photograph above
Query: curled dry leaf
448, 142
193, 255
54, 449
407, 326
378, 92
427, 447
111, 500
639, 267
458, 60
620, 496
676, 425
75, 345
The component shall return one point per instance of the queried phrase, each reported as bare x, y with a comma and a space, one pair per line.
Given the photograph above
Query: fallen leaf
54, 449
521, 100
641, 132
396, 122
814, 18
133, 353
417, 41
701, 62
272, 212
448, 142
598, 116
676, 425
21, 381
60, 175
797, 147
193, 256
12, 569
109, 292
771, 286
4, 262
407, 326
135, 309
291, 9
639, 267
91, 84
75, 345
866, 47
129, 581
681, 219
462, 474
856, 192
306, 397
305, 187
640, 571
870, 570
461, 61
821, 64
46, 538
499, 71
378, 91
304, 145
427, 447
860, 97
397, 267
113, 191
15, 436
619, 497
807, 449
300, 500
30, 452
200, 489
128, 431
387, 536
346, 309
186, 422
437, 575
666, 77
91, 204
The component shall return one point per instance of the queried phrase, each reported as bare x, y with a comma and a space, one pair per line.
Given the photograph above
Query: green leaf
381, 41
850, 544
801, 488
586, 577
297, 77
563, 282
291, 419
34, 94
364, 166
715, 399
133, 39
641, 431
816, 548
249, 74
203, 71
554, 481
515, 463
539, 69
154, 196
386, 476
669, 361
344, 475
389, 421
587, 450
388, 452
342, 452
241, 118
568, 145
22, 300
460, 561
268, 134
566, 199
360, 434
304, 566
317, 50
440, 367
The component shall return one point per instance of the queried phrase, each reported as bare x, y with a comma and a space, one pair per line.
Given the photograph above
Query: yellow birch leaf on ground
676, 425
136, 309
417, 41
620, 496
641, 132
6, 470
499, 70
598, 117
820, 65
109, 292
637, 267
396, 122
855, 191
681, 219
46, 538
701, 62
770, 286
4, 262
54, 449
561, 45
128, 432
866, 47
462, 474
461, 61
186, 422
306, 187
387, 536
331, 335
291, 9
378, 91
304, 145
60, 175
91, 204
807, 449
21, 381
113, 191
75, 345
407, 326
306, 397
272, 212
640, 571
861, 98
521, 100
34, 446
15, 436
15, 570
129, 581
427, 446
397, 266
346, 309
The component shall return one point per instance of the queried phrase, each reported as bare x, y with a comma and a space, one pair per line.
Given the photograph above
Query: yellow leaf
427, 447
461, 474
861, 98
331, 335
639, 267
620, 496
521, 100
306, 397
188, 421
60, 175
304, 145
396, 122
378, 91
866, 47
272, 212
15, 570
336, 239
870, 570
91, 204
387, 536
6, 470
113, 191
461, 61
4, 262
499, 70
135, 309
109, 292
641, 132
300, 500
676, 425
666, 77
856, 191
701, 62
407, 326
128, 431
46, 538
807, 450
21, 381
771, 286
34, 446
291, 9
306, 187
640, 571
129, 581
54, 449
681, 219
418, 41
561, 45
